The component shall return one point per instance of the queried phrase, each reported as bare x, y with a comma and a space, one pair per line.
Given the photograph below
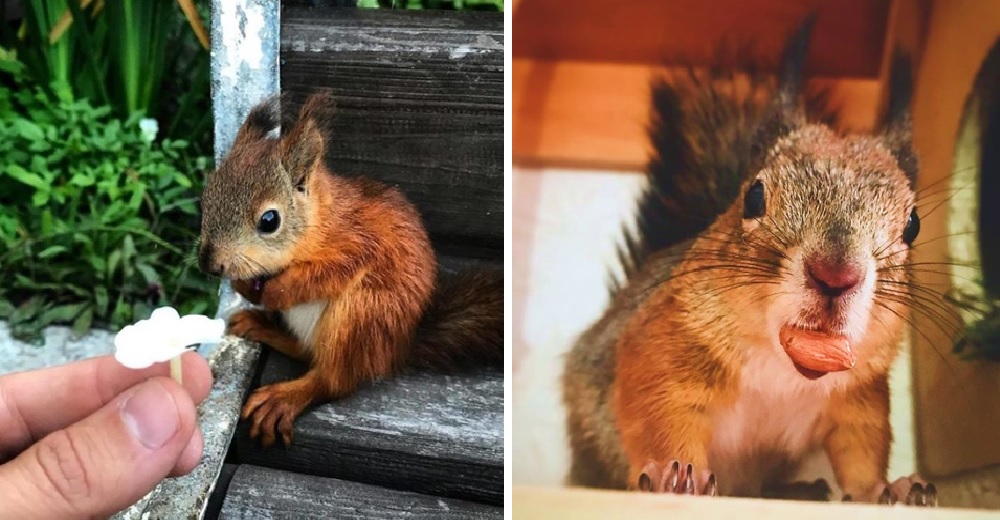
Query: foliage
146, 56
980, 339
458, 5
97, 218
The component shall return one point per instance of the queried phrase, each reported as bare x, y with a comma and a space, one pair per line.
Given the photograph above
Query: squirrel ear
262, 120
898, 131
785, 112
790, 75
305, 144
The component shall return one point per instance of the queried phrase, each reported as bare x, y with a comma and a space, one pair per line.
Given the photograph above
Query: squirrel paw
911, 491
249, 324
676, 478
272, 409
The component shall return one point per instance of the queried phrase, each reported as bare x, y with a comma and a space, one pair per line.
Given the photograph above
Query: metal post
245, 60
246, 49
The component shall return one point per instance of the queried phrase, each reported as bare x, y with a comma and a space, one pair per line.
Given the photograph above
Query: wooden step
419, 105
422, 432
256, 492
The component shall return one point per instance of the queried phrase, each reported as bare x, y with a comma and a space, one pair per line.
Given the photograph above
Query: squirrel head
256, 205
825, 221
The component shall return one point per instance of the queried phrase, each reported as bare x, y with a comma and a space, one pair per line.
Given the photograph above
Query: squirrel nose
833, 279
207, 261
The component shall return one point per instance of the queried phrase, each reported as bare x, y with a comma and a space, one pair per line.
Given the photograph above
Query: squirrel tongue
817, 351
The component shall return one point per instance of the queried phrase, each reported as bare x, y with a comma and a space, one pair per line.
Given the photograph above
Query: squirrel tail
702, 131
463, 326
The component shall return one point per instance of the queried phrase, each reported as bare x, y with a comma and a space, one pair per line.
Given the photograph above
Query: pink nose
833, 279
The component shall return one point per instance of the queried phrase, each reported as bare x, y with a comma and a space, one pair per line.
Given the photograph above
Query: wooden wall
581, 75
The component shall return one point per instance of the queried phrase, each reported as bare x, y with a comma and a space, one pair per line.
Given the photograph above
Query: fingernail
150, 414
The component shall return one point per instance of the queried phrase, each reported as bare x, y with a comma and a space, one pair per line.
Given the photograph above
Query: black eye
912, 228
269, 222
753, 201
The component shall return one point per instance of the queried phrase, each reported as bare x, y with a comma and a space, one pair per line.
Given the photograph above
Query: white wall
565, 225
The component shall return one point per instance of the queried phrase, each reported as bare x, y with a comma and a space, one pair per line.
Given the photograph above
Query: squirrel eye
753, 201
269, 221
912, 228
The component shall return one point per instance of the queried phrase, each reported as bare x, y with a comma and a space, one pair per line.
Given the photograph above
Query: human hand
91, 438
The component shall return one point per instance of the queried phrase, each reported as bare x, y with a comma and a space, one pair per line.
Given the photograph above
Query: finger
191, 455
35, 403
105, 462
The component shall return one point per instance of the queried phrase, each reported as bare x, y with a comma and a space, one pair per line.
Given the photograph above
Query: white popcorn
164, 336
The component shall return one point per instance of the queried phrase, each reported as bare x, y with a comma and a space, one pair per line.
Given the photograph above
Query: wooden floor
418, 445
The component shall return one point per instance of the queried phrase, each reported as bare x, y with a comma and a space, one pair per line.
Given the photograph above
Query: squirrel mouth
816, 353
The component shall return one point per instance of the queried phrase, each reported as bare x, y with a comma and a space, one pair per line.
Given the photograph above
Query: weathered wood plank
214, 506
258, 493
420, 98
428, 433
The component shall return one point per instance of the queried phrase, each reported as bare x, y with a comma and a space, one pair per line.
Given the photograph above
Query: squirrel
763, 300
341, 269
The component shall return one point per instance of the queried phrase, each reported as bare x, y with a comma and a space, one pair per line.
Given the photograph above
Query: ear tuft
898, 125
304, 146
262, 120
792, 68
785, 112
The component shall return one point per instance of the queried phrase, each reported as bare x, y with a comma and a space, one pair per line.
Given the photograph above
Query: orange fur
350, 251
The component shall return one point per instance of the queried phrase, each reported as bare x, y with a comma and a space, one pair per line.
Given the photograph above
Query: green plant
980, 338
147, 56
97, 218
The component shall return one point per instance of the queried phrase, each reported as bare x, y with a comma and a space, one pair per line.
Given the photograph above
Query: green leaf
51, 251
148, 273
101, 300
113, 260
29, 309
82, 323
27, 129
6, 308
40, 199
25, 177
61, 313
122, 314
82, 180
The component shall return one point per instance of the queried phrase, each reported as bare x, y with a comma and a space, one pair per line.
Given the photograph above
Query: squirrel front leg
264, 326
360, 337
665, 430
303, 283
858, 443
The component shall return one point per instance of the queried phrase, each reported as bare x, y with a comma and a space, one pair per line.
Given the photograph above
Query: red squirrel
764, 299
342, 269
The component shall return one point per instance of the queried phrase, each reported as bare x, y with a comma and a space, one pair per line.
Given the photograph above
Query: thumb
105, 462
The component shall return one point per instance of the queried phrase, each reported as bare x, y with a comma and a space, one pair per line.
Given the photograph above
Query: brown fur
644, 382
356, 245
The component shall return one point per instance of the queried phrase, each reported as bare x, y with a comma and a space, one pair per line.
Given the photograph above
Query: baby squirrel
342, 268
764, 298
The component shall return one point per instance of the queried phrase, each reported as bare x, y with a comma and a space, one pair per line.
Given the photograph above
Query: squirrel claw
911, 491
272, 410
249, 324
677, 478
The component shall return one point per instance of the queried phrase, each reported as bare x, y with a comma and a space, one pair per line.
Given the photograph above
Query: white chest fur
774, 419
302, 319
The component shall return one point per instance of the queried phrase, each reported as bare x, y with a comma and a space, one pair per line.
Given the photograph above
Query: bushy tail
463, 326
702, 131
